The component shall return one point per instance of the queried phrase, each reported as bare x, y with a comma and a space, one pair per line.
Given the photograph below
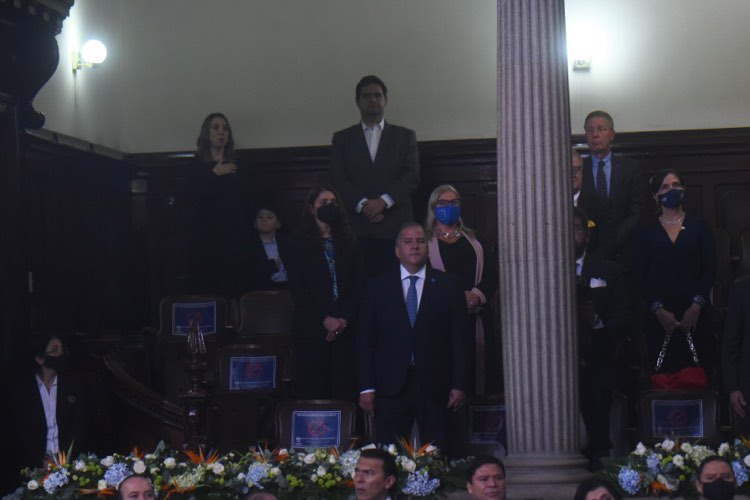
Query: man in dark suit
602, 314
375, 168
616, 178
412, 348
599, 210
736, 353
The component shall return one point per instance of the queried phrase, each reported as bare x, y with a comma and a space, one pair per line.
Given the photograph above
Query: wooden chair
266, 314
319, 423
250, 380
172, 352
689, 414
478, 428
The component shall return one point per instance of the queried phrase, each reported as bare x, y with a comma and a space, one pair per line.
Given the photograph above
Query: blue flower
740, 473
419, 484
116, 474
630, 480
257, 473
55, 480
652, 461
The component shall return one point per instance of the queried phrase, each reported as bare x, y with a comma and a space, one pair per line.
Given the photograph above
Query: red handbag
692, 377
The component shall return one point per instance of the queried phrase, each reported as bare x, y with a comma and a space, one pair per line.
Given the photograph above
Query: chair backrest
266, 312
680, 414
318, 423
176, 311
251, 368
479, 428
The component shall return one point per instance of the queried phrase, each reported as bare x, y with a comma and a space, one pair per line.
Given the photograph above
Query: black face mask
719, 490
328, 213
57, 363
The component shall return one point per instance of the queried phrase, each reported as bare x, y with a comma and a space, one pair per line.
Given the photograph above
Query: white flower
369, 446
150, 456
678, 460
331, 459
275, 472
101, 485
314, 478
32, 485
79, 465
241, 476
686, 447
321, 471
410, 466
309, 458
747, 460
430, 449
670, 483
640, 450
217, 468
139, 467
283, 451
170, 462
154, 471
667, 444
723, 449
392, 449
108, 461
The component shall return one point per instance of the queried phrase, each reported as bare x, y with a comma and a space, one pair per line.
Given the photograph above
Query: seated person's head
485, 478
267, 221
48, 351
715, 479
135, 487
596, 489
261, 496
375, 475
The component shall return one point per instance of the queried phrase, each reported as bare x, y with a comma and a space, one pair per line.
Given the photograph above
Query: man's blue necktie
601, 181
411, 299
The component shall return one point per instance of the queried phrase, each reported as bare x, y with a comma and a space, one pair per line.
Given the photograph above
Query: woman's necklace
450, 234
671, 222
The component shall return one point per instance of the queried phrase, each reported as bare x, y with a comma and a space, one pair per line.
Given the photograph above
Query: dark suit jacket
395, 172
30, 424
602, 237
260, 268
736, 345
311, 285
438, 340
626, 192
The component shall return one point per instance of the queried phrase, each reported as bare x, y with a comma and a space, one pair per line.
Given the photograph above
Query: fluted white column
537, 281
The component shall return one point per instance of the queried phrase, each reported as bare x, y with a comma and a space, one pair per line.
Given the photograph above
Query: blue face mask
448, 215
672, 198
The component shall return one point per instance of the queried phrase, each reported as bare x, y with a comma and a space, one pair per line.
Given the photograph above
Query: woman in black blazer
326, 276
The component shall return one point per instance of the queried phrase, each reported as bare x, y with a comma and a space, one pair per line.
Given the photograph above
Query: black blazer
626, 192
736, 345
607, 292
30, 424
311, 285
602, 237
438, 340
260, 268
395, 172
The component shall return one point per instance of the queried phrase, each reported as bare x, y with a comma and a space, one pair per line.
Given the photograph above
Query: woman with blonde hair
455, 248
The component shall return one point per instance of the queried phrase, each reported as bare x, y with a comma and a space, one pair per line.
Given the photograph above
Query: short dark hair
600, 114
708, 460
405, 226
119, 485
656, 179
592, 483
389, 463
479, 461
369, 80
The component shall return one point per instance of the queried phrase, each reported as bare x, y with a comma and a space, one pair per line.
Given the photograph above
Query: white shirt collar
365, 126
421, 273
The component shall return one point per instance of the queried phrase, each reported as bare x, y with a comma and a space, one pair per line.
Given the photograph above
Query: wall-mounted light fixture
91, 55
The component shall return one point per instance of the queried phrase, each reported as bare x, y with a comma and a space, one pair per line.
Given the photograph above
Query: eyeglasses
577, 170
445, 203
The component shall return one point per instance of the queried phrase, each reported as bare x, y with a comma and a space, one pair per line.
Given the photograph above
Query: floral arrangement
320, 473
669, 467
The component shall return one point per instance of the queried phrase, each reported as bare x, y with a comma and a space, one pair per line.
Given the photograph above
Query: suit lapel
615, 175
362, 142
427, 291
385, 137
